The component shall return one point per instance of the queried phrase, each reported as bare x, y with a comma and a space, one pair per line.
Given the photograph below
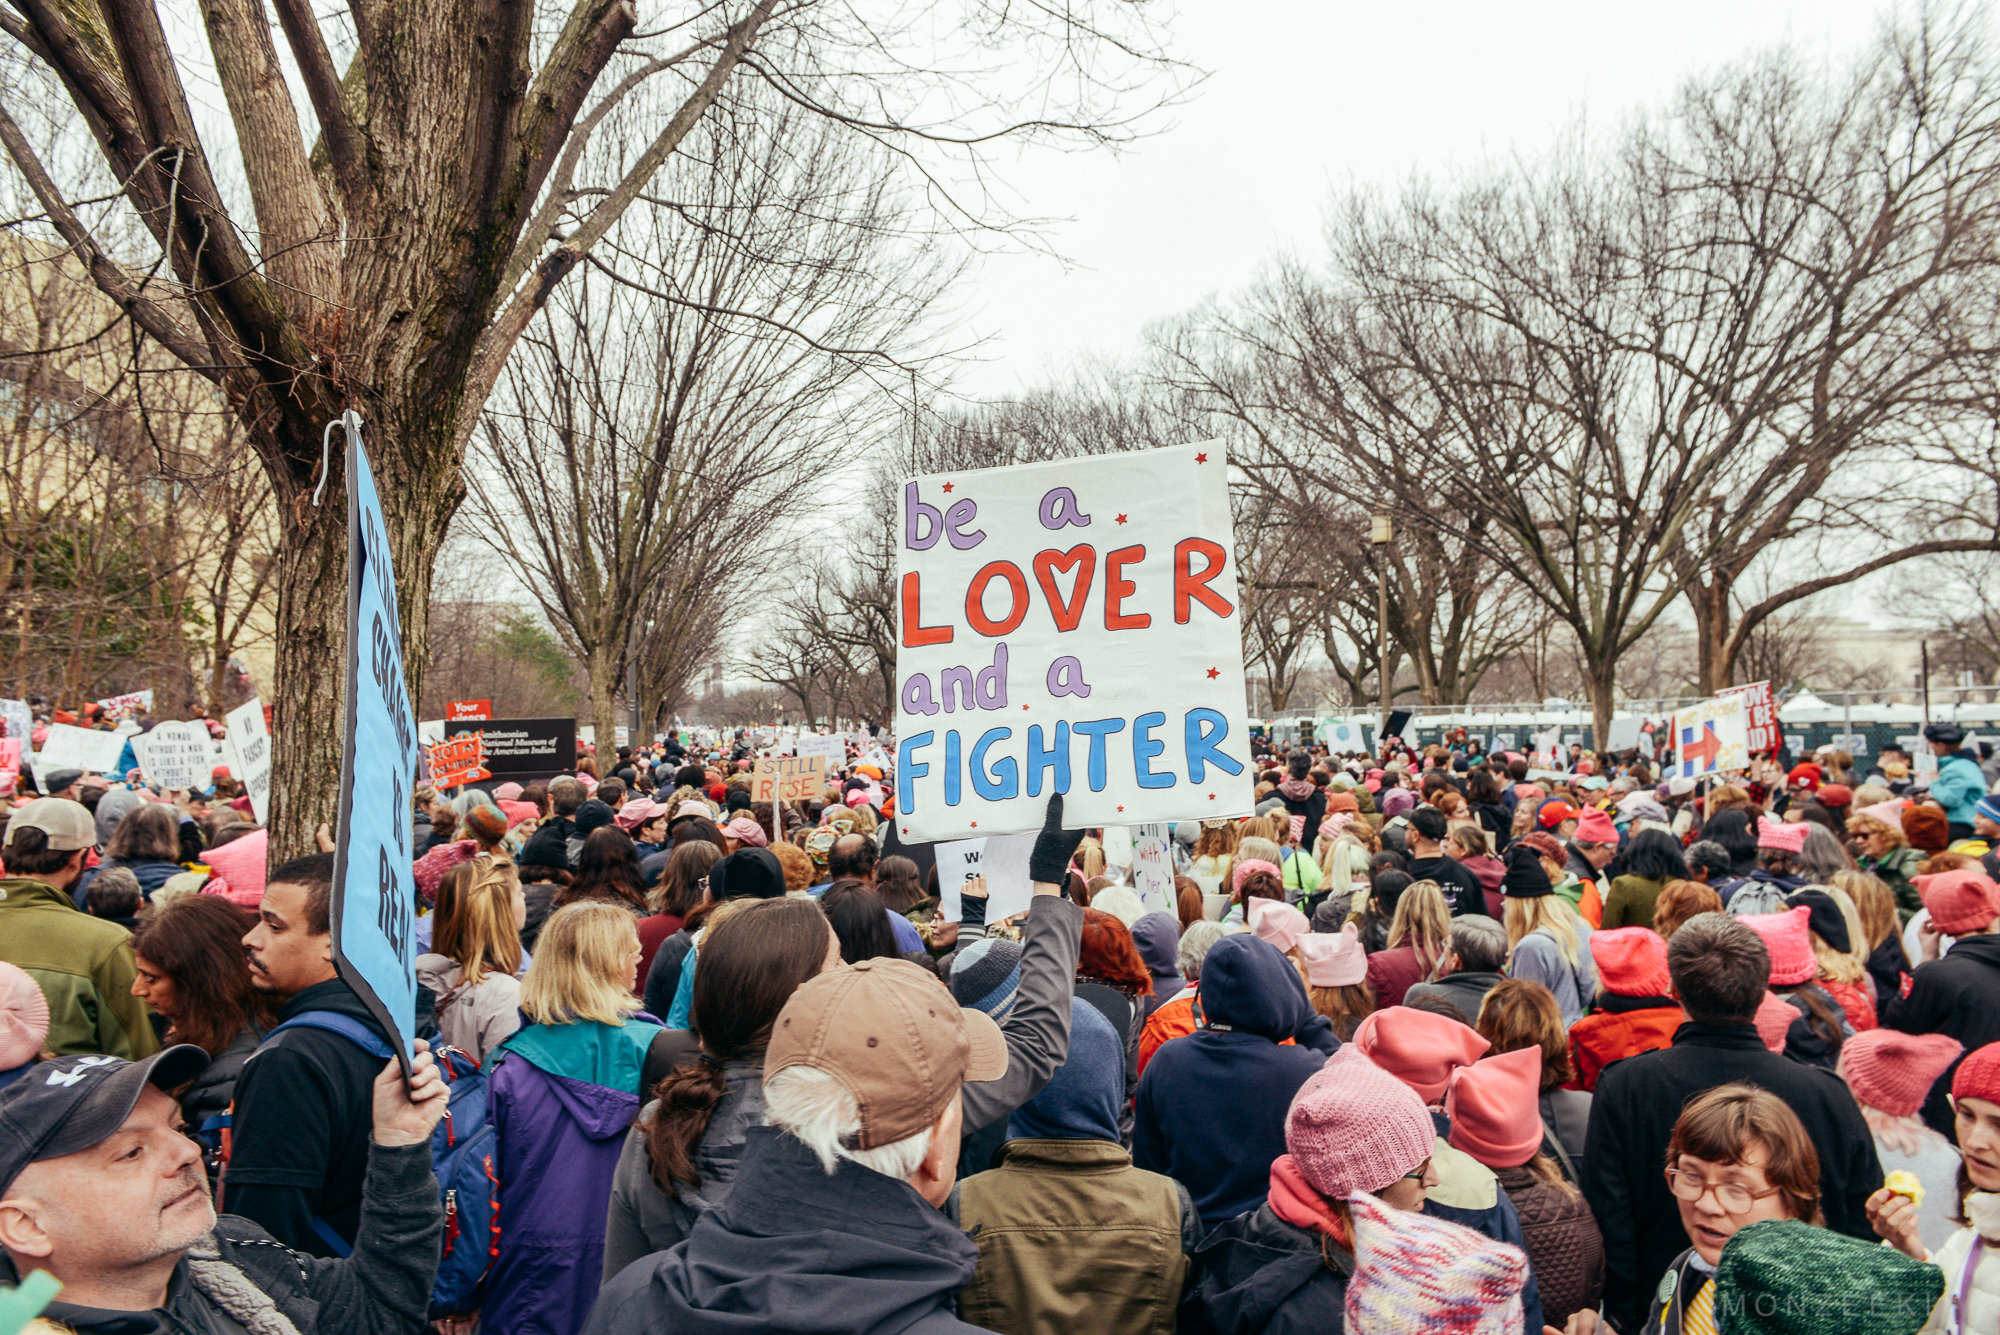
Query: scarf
1294, 1201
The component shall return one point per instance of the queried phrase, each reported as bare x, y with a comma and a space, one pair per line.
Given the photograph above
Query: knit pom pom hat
1495, 1108
1419, 1048
1248, 865
1413, 1272
1631, 962
1788, 936
1895, 1071
986, 974
1354, 1127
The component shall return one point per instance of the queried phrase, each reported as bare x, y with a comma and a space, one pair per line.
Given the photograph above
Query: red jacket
1622, 1027
1391, 973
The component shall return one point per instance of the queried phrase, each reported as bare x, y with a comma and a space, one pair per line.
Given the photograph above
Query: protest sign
1342, 735
1712, 737
176, 755
1153, 866
10, 762
1502, 741
524, 750
1116, 841
1623, 735
459, 759
16, 720
787, 779
831, 749
71, 747
476, 710
1002, 860
1760, 713
374, 893
251, 742
1854, 743
1069, 627
621, 735
124, 706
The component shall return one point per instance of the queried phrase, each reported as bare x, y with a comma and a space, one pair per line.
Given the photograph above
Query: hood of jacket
1158, 936
1249, 986
438, 972
797, 1249
592, 1069
112, 808
1082, 1098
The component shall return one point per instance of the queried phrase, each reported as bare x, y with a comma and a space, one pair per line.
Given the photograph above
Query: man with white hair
835, 1220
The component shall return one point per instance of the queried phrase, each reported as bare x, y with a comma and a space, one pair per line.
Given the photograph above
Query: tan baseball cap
893, 1036
67, 824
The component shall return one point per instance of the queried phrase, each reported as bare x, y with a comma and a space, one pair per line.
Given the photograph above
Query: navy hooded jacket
1211, 1106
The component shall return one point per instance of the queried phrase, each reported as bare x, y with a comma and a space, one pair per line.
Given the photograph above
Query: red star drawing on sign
947, 486
1213, 673
1024, 706
1211, 797
1121, 519
975, 825
1121, 808
1201, 458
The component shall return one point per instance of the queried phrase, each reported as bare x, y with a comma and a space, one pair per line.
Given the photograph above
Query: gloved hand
1054, 846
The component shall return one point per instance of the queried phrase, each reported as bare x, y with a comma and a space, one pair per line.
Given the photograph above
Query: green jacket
84, 967
1073, 1238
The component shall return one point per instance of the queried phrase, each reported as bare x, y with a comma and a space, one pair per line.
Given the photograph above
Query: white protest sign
176, 755
17, 719
124, 706
1623, 735
1712, 737
1117, 845
252, 745
1002, 860
1069, 627
1341, 735
832, 749
71, 747
1153, 867
1760, 714
1501, 741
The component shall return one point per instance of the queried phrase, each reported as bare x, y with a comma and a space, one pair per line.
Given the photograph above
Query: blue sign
374, 899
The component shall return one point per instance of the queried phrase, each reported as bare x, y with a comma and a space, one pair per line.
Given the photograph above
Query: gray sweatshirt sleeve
624, 1235
1037, 1029
384, 1288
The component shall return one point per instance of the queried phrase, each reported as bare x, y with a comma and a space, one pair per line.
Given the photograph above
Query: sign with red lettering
1761, 711
468, 709
788, 779
458, 759
1070, 627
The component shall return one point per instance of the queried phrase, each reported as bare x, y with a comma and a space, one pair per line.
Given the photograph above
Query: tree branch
344, 147
585, 46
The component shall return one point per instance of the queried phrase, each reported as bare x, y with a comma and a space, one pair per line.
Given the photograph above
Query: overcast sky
1304, 95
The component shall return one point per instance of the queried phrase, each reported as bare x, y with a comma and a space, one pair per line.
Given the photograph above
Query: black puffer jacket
1258, 1275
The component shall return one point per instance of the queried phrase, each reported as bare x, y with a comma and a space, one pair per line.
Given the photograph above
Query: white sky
1304, 95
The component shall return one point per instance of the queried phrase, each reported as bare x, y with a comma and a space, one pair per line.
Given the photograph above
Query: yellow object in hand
1904, 1183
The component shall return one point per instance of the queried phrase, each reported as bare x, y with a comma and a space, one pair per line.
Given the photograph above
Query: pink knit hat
1419, 1048
431, 867
1774, 1021
1631, 962
24, 1018
1413, 1272
1334, 960
1890, 813
1784, 838
240, 865
1978, 1076
519, 811
1788, 936
1495, 1110
637, 812
1279, 923
1248, 865
1354, 1127
507, 792
1960, 901
744, 830
1594, 827
1895, 1071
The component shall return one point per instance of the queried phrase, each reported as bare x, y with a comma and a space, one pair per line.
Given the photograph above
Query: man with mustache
104, 1190
300, 1128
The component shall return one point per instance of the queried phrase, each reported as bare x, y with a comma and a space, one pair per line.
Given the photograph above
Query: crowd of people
1437, 1040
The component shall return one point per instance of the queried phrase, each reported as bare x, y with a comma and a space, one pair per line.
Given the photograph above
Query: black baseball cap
71, 1103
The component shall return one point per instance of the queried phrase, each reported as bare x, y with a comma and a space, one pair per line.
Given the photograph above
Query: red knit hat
1960, 901
1631, 962
1354, 1127
1979, 1075
1419, 1048
1895, 1071
1788, 936
1594, 827
1926, 827
1494, 1107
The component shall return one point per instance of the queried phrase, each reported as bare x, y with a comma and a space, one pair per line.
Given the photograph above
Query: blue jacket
1958, 786
1221, 1149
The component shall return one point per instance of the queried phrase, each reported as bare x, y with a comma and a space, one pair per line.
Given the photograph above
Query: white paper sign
71, 747
1342, 735
1712, 737
1002, 860
1153, 867
251, 743
18, 720
831, 747
1069, 627
176, 755
1623, 734
1117, 845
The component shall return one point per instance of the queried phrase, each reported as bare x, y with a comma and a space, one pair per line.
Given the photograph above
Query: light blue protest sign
374, 905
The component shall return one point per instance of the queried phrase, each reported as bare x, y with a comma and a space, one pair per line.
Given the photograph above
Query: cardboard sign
1761, 711
476, 710
1069, 627
251, 742
1153, 866
458, 760
124, 706
70, 747
1712, 737
176, 755
374, 891
787, 779
1002, 860
524, 750
16, 720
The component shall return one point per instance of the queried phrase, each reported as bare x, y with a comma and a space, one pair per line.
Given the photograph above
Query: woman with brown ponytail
680, 1157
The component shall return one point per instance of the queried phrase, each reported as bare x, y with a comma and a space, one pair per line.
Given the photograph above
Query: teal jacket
1958, 785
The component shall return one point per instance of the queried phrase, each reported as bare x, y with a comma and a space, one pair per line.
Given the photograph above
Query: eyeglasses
1423, 1170
1733, 1197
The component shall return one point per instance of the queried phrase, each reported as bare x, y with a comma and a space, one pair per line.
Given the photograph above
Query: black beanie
1525, 878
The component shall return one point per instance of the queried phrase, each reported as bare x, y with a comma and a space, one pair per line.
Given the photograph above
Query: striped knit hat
985, 975
1416, 1273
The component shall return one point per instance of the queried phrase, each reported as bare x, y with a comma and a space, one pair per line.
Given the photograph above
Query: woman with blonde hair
1418, 933
1547, 941
563, 1091
1880, 942
1343, 867
1883, 851
476, 955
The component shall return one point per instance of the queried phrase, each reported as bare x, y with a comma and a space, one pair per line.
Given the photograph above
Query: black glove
1054, 846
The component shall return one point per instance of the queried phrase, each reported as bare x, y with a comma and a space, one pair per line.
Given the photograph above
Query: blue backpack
463, 1147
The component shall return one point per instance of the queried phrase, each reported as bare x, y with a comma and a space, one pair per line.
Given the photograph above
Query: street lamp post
1381, 535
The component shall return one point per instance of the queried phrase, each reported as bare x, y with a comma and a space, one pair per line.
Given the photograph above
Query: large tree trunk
1715, 646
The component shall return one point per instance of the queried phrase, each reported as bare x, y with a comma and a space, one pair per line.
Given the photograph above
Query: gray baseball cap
71, 1103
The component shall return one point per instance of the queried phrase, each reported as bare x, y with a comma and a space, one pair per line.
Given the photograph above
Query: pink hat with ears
1781, 837
1248, 865
1788, 938
1278, 922
1774, 1021
1420, 1048
1495, 1109
1334, 960
240, 866
1890, 813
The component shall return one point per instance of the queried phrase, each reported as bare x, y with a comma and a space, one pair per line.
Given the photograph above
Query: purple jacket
561, 1098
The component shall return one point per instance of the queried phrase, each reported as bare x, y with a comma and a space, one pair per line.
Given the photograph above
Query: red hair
1108, 952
